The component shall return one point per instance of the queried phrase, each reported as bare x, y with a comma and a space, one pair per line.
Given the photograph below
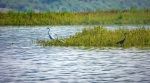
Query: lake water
22, 61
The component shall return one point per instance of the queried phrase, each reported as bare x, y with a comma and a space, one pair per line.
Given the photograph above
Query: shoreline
31, 18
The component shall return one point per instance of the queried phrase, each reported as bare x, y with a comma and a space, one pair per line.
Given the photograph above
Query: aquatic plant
76, 18
102, 37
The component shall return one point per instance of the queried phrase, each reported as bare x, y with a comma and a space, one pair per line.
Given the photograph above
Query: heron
54, 35
50, 35
122, 41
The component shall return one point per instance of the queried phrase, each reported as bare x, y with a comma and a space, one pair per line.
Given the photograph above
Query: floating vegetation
102, 37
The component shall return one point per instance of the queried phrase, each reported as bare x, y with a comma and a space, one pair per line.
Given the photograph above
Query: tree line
72, 5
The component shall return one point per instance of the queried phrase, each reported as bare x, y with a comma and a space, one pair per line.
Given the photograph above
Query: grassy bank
102, 37
132, 16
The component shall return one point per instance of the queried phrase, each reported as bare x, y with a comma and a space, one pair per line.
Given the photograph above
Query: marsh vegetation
132, 16
102, 37
97, 36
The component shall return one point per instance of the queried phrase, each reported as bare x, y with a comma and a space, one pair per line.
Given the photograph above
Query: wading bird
50, 35
122, 41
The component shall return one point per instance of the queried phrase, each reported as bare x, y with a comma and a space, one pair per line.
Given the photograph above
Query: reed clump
76, 18
102, 37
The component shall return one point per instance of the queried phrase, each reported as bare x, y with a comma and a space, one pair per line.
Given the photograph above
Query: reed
76, 18
102, 37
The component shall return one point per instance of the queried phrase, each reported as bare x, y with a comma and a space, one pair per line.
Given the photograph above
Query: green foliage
102, 37
73, 5
30, 13
120, 16
75, 18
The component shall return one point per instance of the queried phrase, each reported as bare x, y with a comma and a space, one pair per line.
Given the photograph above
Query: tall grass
102, 37
132, 16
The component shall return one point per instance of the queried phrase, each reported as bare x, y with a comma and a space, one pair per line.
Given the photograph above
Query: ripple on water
26, 62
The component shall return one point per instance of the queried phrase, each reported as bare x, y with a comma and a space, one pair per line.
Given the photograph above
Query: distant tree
48, 1
2, 5
73, 5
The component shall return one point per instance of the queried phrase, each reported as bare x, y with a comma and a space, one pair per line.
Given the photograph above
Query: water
22, 61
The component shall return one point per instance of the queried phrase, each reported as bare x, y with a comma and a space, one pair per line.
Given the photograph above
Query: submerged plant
102, 37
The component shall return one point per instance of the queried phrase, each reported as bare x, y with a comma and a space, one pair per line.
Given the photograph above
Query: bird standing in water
122, 41
50, 35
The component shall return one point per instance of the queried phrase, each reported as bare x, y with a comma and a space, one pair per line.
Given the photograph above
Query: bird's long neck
48, 31
49, 34
124, 36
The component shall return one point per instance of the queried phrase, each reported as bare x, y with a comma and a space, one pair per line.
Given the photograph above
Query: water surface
22, 61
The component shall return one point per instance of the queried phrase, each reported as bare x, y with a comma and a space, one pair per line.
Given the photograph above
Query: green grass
76, 18
102, 37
